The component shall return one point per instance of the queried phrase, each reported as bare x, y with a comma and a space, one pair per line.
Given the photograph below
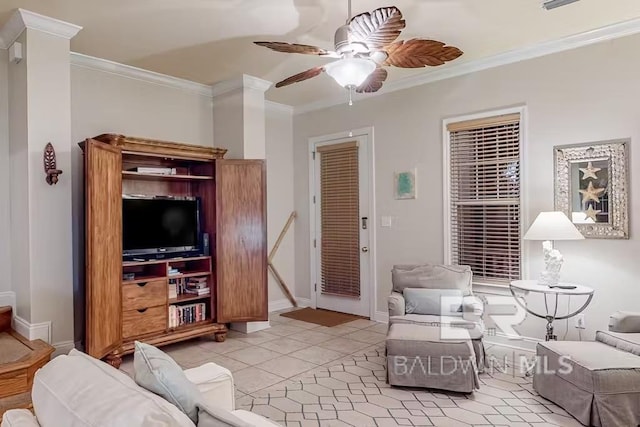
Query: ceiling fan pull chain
350, 96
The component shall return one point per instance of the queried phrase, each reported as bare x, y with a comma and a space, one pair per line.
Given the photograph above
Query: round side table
528, 286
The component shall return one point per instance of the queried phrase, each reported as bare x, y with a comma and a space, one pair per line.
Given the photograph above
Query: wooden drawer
144, 321
145, 294
14, 382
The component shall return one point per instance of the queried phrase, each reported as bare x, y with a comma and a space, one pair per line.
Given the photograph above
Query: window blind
485, 197
340, 212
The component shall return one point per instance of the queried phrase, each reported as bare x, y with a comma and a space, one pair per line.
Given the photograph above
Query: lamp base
549, 278
552, 264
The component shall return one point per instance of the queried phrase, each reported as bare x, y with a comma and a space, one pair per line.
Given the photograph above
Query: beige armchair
445, 278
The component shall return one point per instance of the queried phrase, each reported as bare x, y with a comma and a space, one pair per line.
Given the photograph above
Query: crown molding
243, 81
575, 41
104, 65
22, 19
276, 106
99, 64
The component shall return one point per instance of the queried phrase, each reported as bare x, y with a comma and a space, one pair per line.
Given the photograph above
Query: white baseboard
381, 316
303, 302
32, 331
8, 298
63, 347
280, 304
283, 304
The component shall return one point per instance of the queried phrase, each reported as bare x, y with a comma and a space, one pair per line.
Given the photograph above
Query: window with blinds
340, 212
484, 165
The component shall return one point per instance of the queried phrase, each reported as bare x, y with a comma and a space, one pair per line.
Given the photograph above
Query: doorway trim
370, 165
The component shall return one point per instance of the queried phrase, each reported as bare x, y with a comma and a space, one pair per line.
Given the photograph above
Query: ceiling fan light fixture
350, 72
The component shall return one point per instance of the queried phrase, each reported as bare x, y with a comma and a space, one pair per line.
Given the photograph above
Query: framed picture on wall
404, 185
591, 187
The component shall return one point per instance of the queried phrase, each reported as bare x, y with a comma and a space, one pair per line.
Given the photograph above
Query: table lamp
550, 226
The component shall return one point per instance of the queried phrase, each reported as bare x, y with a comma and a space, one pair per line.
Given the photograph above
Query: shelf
165, 260
167, 156
155, 177
178, 276
143, 279
188, 297
195, 258
191, 325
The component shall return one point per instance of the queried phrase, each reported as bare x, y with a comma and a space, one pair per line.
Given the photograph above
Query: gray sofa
448, 277
598, 382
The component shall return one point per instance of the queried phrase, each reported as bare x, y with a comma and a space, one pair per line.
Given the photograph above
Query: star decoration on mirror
592, 213
591, 193
590, 171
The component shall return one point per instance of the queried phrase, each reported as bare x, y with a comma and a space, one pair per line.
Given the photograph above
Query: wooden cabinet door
241, 241
103, 234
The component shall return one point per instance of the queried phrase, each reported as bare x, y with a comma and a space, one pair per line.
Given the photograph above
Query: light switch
385, 221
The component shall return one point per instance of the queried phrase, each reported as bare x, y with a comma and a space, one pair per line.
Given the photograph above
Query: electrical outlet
580, 323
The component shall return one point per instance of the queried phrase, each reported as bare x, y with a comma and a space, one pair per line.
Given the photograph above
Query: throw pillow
157, 372
428, 276
436, 302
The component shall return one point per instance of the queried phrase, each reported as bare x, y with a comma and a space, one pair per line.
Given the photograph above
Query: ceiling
210, 40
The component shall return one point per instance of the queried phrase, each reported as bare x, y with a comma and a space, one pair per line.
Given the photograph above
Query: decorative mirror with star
591, 187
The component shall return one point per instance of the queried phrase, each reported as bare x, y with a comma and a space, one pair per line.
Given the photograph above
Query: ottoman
417, 356
596, 383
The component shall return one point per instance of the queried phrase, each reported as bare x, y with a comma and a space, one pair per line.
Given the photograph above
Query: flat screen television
160, 227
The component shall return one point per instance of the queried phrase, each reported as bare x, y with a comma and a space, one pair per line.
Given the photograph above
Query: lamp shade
350, 71
553, 226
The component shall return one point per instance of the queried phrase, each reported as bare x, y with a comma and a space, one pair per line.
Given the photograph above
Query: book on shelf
203, 291
185, 314
179, 284
197, 285
173, 290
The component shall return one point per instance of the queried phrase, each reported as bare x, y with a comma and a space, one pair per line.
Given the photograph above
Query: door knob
365, 249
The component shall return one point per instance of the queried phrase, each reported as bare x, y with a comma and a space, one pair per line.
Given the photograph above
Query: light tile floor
301, 374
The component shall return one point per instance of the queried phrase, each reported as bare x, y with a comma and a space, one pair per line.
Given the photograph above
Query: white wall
49, 215
5, 236
587, 94
19, 184
279, 134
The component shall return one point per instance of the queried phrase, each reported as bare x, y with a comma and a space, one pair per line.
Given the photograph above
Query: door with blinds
341, 226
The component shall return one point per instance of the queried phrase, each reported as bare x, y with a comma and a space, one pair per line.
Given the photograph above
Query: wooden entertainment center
129, 301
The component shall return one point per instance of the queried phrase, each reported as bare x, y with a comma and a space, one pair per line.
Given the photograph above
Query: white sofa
77, 390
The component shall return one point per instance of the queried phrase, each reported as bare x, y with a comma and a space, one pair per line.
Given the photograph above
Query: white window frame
446, 138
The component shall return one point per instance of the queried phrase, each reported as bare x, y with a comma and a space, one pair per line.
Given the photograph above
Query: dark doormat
321, 317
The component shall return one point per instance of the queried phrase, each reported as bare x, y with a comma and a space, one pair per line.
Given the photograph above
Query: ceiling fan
363, 46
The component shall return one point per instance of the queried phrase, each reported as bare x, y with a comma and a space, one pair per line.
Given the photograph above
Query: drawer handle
142, 284
142, 310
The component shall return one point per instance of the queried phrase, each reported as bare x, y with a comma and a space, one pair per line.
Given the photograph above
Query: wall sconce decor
50, 165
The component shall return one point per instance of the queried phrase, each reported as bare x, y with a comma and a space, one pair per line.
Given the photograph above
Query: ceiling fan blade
297, 48
374, 81
378, 28
418, 53
300, 77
